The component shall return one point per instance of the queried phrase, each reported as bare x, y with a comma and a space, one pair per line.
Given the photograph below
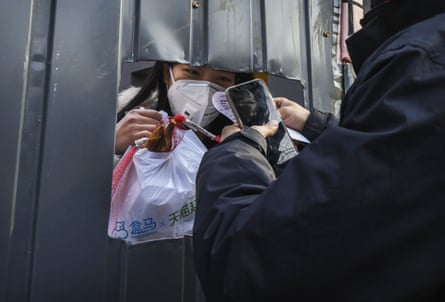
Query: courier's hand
136, 124
293, 115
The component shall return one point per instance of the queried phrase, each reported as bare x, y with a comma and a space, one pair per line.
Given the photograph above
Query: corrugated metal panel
287, 38
58, 88
241, 35
14, 37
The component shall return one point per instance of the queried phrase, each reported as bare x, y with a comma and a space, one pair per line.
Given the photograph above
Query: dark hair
155, 81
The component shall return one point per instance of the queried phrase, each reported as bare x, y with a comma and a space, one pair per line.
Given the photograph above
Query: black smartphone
252, 104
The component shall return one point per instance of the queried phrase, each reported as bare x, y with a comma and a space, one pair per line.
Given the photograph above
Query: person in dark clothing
359, 214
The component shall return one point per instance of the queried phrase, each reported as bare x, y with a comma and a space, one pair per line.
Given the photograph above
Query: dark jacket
359, 214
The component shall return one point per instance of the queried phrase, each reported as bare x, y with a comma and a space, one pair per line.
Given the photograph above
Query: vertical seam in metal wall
36, 26
19, 140
119, 75
135, 33
251, 35
119, 44
205, 31
191, 34
264, 35
198, 33
124, 279
48, 62
257, 46
183, 247
19, 145
309, 86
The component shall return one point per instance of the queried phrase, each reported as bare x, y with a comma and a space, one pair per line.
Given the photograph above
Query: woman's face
202, 73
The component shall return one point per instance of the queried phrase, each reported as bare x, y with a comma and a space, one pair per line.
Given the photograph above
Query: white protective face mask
193, 99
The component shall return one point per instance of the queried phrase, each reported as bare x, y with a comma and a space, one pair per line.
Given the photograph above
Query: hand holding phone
253, 105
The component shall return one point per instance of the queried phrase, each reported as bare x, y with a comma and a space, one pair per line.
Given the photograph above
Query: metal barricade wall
59, 80
294, 39
58, 86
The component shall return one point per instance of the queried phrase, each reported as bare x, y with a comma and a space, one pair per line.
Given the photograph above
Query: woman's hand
229, 130
293, 115
266, 130
136, 124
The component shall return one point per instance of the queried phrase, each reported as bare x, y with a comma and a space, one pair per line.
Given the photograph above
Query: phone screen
252, 104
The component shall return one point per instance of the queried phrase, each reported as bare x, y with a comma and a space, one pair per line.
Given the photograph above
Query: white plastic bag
155, 197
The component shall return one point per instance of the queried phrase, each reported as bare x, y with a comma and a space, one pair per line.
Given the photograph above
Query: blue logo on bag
119, 230
138, 228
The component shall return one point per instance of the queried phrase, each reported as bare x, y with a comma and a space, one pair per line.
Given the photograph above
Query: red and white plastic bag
153, 197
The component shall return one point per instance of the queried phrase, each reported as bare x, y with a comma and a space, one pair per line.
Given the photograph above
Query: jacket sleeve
317, 122
246, 237
233, 194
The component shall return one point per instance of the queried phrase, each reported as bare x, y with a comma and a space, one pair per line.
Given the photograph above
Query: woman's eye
225, 81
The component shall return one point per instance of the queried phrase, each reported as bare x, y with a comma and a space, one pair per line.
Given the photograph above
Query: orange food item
161, 138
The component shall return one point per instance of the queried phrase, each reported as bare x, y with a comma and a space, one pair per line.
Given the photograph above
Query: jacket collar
384, 21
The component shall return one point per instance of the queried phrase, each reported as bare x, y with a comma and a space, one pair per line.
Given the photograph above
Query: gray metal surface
286, 38
58, 86
14, 37
160, 271
59, 80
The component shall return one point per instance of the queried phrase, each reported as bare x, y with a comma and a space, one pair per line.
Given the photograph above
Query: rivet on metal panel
326, 34
196, 4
